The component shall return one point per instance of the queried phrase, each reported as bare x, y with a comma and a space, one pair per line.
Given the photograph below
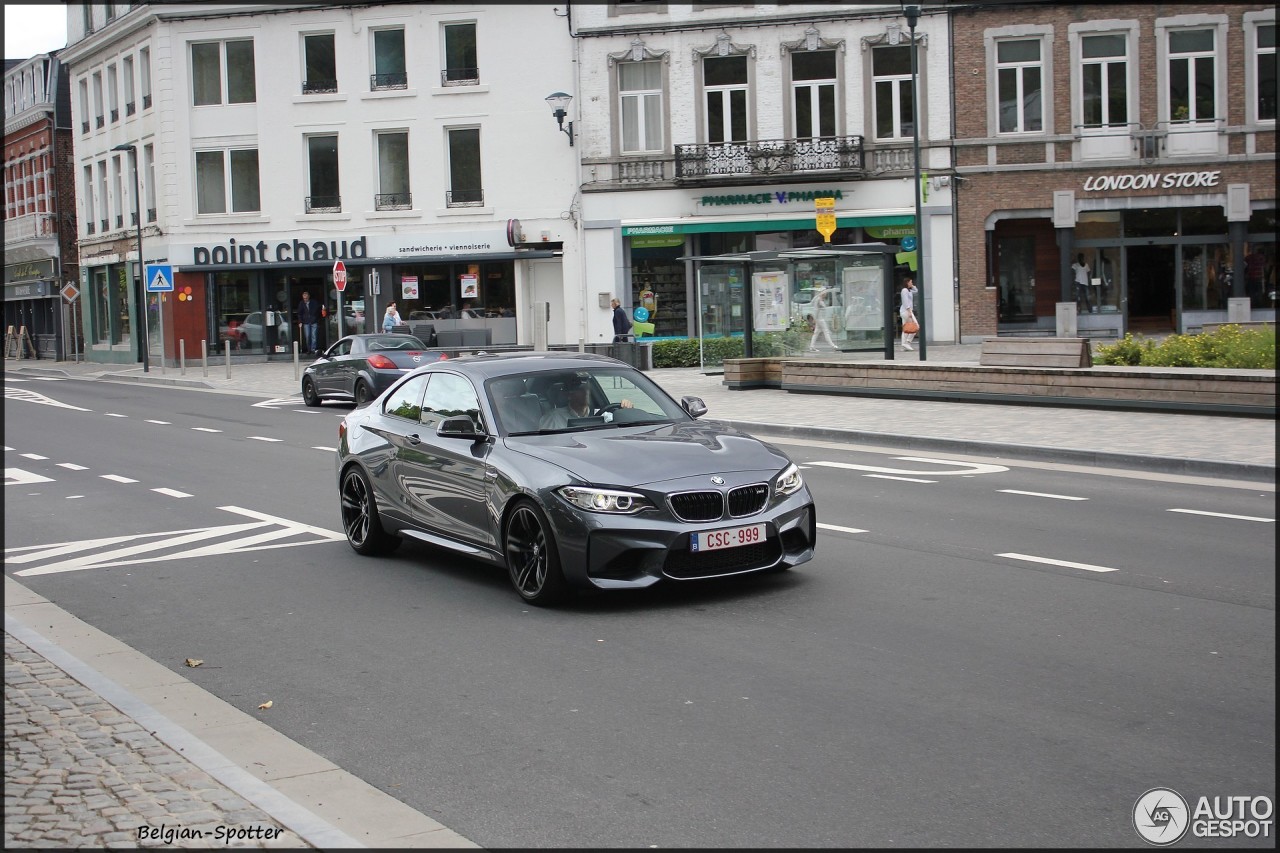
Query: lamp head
559, 103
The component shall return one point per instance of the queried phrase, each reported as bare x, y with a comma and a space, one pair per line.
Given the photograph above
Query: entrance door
1150, 282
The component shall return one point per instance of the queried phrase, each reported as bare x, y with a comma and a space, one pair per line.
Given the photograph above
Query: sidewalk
105, 747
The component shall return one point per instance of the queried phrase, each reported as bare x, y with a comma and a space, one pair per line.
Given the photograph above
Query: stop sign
340, 275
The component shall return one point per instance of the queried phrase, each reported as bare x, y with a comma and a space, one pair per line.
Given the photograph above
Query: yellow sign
825, 210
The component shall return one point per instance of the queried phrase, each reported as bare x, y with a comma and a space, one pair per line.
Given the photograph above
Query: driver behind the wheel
578, 406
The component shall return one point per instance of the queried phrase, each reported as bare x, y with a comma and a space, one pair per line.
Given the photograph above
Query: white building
412, 141
708, 129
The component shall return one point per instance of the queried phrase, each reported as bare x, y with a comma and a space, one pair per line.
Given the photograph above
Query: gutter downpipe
580, 237
955, 185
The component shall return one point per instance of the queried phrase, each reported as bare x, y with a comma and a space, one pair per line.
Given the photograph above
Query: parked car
360, 367
637, 491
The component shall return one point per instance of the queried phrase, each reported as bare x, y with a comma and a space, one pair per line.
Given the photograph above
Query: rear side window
449, 395
406, 400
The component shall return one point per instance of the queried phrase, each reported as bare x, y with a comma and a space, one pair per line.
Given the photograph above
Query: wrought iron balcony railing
151, 214
393, 201
324, 204
460, 77
130, 108
84, 127
115, 116
398, 80
319, 87
464, 198
146, 102
770, 157
100, 122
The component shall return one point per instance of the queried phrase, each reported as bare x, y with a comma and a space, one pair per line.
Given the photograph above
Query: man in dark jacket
309, 320
621, 322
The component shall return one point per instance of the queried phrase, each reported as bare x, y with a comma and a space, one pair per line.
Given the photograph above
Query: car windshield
551, 401
386, 342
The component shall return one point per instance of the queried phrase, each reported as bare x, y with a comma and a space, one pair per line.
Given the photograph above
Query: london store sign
1151, 181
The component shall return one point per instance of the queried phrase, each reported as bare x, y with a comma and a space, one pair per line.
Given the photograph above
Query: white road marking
51, 378
117, 478
206, 429
32, 456
903, 479
19, 477
1223, 515
71, 466
33, 397
162, 423
173, 493
74, 497
1041, 495
7, 447
1067, 563
964, 468
840, 529
114, 415
262, 438
330, 449
279, 401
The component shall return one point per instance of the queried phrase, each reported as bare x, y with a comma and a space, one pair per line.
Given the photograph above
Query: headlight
605, 500
789, 481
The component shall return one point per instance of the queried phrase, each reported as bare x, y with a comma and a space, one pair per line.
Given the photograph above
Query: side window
341, 348
449, 395
406, 401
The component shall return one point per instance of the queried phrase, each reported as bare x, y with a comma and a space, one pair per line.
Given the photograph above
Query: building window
891, 80
813, 93
104, 200
113, 93
1192, 76
320, 58
117, 194
461, 66
90, 210
1020, 85
144, 70
84, 106
1266, 72
1104, 80
725, 85
228, 173
640, 92
388, 60
628, 7
126, 67
393, 171
465, 185
98, 118
210, 85
322, 174
149, 181
88, 18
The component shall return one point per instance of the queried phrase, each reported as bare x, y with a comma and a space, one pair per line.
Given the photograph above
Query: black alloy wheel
360, 519
309, 394
532, 559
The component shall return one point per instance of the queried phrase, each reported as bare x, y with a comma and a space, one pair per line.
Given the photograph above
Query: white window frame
815, 86
118, 191
99, 116
1105, 142
144, 76
641, 97
445, 79
897, 81
725, 94
407, 189
373, 57
448, 165
310, 170
1014, 33
149, 180
104, 201
130, 92
1253, 22
89, 223
228, 181
224, 71
1164, 27
113, 92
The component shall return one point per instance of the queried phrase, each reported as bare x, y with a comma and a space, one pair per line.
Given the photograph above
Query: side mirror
459, 426
694, 406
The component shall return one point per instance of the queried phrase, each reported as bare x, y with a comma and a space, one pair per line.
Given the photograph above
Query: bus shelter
809, 302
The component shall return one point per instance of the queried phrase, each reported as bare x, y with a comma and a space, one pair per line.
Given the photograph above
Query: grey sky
30, 30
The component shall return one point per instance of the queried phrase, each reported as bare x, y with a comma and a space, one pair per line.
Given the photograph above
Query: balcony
146, 102
100, 122
381, 82
130, 108
460, 77
30, 226
323, 204
770, 158
464, 198
393, 201
115, 116
319, 87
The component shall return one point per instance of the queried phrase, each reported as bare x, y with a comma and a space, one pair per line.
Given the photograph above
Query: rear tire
309, 394
533, 562
360, 520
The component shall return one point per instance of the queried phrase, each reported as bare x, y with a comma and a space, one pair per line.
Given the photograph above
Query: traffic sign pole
340, 283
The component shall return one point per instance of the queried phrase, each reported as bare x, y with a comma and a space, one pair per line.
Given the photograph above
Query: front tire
360, 520
362, 394
533, 562
309, 394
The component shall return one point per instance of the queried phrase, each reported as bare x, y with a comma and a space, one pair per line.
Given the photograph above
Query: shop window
389, 70
1202, 220
320, 64
1016, 275
658, 283
210, 85
640, 106
238, 312
1260, 273
1150, 222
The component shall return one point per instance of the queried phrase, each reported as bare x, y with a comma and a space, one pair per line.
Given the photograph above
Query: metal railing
323, 204
393, 201
146, 102
397, 80
319, 87
464, 198
130, 108
770, 157
460, 77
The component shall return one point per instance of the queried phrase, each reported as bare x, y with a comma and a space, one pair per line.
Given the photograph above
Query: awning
531, 254
790, 224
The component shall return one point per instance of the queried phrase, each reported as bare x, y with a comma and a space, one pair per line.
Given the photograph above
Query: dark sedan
570, 470
360, 367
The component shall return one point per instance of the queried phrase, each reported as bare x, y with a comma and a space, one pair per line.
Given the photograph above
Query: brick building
1140, 138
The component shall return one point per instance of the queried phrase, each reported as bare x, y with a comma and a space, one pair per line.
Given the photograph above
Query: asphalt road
982, 654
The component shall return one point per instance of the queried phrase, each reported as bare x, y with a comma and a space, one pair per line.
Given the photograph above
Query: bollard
228, 359
204, 356
182, 355
296, 373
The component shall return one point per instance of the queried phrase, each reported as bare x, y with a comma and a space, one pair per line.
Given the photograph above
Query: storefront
1162, 251
33, 309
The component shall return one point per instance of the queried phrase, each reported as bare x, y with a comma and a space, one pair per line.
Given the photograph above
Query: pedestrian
907, 311
468, 311
821, 300
621, 322
1081, 270
308, 322
391, 319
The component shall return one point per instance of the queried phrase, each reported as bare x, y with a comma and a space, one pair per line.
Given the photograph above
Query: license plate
733, 537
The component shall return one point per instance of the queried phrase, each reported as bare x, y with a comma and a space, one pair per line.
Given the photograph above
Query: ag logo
1161, 816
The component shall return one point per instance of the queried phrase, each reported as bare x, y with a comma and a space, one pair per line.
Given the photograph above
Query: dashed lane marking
114, 415
206, 429
71, 466
262, 438
903, 479
330, 449
32, 456
117, 478
840, 529
173, 493
1065, 563
1224, 515
162, 423
1041, 495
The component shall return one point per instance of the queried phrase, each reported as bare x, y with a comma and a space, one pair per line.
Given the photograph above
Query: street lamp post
912, 13
142, 270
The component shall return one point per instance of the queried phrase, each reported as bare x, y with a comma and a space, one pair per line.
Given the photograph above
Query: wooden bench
1035, 352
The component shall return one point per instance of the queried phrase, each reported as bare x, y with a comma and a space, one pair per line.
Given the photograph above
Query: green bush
1228, 346
684, 352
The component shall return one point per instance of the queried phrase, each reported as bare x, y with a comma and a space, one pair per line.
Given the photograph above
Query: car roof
490, 365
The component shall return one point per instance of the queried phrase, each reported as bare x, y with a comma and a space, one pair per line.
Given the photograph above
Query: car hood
645, 455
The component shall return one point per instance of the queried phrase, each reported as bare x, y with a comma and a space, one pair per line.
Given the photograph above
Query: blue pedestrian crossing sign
159, 278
